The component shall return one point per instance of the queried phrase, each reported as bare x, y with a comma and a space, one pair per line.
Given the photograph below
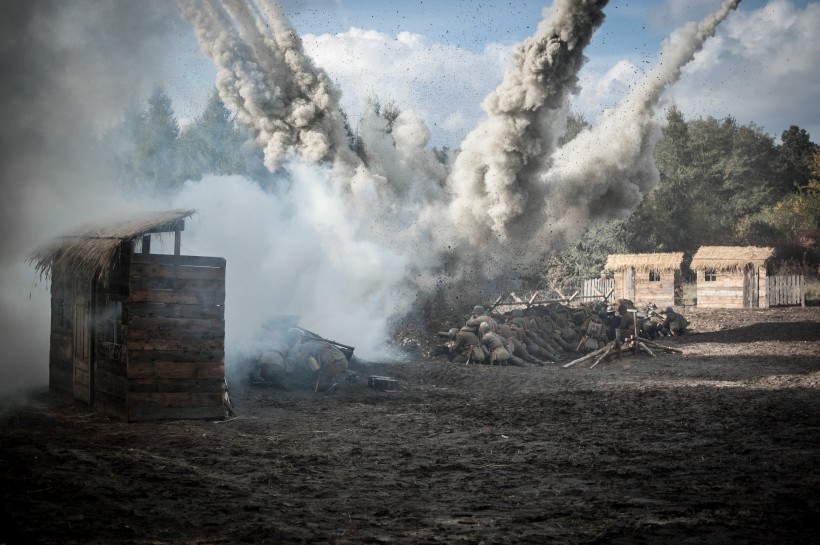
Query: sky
442, 58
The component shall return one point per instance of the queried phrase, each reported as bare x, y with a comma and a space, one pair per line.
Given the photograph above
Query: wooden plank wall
726, 291
61, 349
786, 290
174, 327
110, 380
661, 292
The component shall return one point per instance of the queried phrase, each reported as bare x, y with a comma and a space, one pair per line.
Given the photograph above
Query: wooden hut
135, 334
731, 276
646, 278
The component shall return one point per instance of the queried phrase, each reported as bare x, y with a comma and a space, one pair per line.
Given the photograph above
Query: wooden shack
731, 276
647, 278
135, 334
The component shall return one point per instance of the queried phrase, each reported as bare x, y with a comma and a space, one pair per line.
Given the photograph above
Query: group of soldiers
299, 360
608, 323
543, 335
535, 336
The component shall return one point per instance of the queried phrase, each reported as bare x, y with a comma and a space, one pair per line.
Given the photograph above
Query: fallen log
646, 349
587, 357
604, 355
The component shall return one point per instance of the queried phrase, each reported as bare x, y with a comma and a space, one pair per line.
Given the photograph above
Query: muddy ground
719, 445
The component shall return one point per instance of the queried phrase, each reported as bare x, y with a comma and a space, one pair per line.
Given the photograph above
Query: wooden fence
598, 289
786, 290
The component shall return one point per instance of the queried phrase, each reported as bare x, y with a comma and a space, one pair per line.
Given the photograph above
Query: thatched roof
644, 262
723, 258
90, 249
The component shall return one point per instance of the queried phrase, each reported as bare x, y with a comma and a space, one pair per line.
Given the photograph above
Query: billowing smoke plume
510, 195
265, 76
501, 159
606, 171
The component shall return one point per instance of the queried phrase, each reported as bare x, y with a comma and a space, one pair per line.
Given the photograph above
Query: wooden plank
178, 260
178, 344
174, 399
155, 385
175, 356
161, 326
137, 340
110, 384
162, 310
176, 370
179, 284
111, 367
185, 297
174, 271
140, 414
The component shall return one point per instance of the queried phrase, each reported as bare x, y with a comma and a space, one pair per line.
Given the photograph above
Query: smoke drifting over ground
346, 241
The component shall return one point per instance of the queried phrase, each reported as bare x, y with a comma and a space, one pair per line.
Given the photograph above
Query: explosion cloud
511, 193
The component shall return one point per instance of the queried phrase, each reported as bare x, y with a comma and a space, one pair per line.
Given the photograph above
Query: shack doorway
751, 287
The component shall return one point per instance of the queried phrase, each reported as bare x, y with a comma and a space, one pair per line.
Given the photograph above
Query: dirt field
719, 445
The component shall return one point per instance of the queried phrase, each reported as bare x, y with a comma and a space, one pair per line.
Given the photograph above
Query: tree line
721, 183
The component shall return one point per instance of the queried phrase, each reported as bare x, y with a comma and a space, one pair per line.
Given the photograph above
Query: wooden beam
178, 237
146, 244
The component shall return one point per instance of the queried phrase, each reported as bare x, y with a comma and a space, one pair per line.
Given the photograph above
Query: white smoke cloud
412, 71
294, 252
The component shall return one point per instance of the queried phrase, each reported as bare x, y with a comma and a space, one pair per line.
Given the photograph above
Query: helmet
669, 309
478, 309
485, 327
653, 306
610, 310
518, 313
294, 336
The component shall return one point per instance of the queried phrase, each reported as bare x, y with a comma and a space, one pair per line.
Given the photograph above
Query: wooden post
146, 244
177, 239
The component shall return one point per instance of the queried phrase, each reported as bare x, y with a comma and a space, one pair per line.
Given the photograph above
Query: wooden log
587, 357
646, 349
604, 355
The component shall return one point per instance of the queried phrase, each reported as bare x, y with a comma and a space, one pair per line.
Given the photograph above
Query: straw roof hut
139, 336
88, 250
647, 278
732, 276
730, 258
644, 262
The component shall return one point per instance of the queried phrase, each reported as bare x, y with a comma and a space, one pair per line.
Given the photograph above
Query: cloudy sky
441, 58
